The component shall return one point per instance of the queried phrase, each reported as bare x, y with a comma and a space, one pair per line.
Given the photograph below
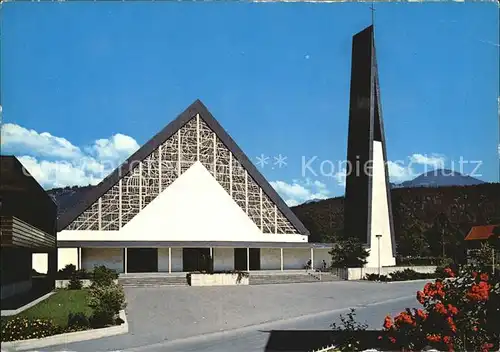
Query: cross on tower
372, 8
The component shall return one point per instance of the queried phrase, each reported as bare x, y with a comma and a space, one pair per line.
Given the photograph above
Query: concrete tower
368, 211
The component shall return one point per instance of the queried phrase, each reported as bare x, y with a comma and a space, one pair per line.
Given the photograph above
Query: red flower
479, 292
453, 310
439, 307
474, 328
421, 314
404, 318
434, 338
447, 340
392, 339
449, 272
420, 297
451, 324
387, 322
486, 347
484, 277
474, 274
380, 337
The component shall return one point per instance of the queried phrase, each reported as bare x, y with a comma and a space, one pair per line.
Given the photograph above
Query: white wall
270, 259
177, 265
196, 194
163, 260
321, 254
40, 262
112, 258
223, 258
380, 224
295, 258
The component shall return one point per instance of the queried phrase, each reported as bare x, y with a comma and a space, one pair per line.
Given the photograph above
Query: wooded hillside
427, 220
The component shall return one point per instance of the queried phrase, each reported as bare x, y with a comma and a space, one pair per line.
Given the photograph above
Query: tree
348, 253
413, 244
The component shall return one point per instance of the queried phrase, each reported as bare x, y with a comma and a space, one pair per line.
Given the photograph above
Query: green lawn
59, 305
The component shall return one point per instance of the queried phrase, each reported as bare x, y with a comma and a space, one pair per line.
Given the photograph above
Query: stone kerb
218, 280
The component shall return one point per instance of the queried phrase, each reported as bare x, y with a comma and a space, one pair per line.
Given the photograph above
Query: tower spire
372, 9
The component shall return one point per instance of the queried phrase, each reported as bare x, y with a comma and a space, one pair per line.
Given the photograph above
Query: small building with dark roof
28, 226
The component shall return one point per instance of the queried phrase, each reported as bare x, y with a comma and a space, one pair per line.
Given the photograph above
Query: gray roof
197, 107
189, 244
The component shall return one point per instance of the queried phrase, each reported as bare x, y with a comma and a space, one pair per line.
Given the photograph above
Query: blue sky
103, 78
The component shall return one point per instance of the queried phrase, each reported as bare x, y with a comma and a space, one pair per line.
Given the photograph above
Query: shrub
102, 276
77, 322
444, 264
459, 313
376, 277
348, 253
409, 274
21, 328
67, 272
348, 337
106, 302
75, 283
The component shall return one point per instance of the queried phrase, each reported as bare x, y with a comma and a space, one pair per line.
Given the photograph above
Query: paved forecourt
160, 315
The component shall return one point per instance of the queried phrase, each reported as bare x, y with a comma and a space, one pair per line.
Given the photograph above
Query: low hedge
21, 328
401, 275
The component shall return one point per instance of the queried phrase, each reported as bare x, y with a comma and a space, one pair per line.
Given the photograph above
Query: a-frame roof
195, 108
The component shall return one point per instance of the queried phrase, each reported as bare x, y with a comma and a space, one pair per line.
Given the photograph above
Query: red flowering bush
460, 313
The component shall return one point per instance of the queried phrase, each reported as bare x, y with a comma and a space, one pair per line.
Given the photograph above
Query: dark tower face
368, 209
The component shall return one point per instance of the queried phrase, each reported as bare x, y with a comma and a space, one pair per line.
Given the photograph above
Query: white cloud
299, 192
117, 147
16, 139
56, 162
61, 173
434, 160
398, 172
341, 176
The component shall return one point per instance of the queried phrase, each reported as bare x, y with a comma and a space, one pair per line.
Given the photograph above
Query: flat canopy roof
189, 244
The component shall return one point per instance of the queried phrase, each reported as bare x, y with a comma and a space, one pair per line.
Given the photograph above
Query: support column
52, 267
169, 260
248, 259
281, 254
79, 255
211, 260
125, 260
312, 258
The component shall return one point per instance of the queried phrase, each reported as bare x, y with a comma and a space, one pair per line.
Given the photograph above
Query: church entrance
240, 259
142, 260
196, 259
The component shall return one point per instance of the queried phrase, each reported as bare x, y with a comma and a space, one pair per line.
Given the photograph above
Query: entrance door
254, 258
142, 260
196, 259
240, 259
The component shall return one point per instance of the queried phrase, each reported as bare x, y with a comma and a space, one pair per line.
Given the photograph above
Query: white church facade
188, 196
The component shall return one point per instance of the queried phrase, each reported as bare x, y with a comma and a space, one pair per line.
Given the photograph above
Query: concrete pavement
215, 318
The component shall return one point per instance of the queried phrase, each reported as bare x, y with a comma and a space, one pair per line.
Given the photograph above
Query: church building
187, 199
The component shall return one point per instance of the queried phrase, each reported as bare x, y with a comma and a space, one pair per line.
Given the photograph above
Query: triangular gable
192, 196
268, 195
